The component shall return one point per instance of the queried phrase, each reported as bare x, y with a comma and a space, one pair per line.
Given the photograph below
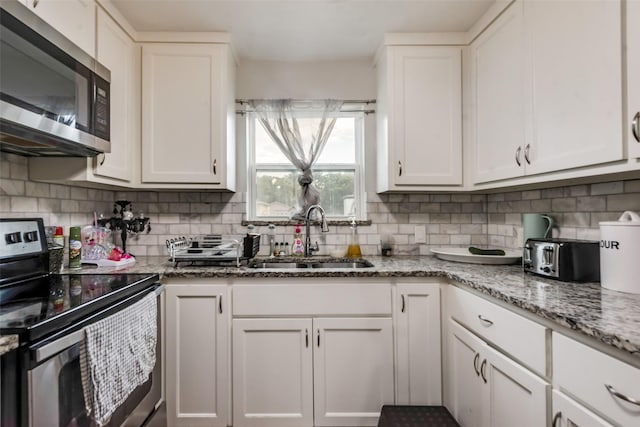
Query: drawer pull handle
518, 151
482, 367
318, 337
635, 125
475, 364
526, 153
485, 321
403, 305
621, 396
399, 168
306, 337
220, 304
557, 417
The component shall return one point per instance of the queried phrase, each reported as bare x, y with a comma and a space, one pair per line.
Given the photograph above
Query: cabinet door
513, 395
633, 77
464, 376
117, 52
75, 19
499, 93
272, 373
576, 102
425, 139
418, 368
183, 113
353, 370
569, 413
197, 355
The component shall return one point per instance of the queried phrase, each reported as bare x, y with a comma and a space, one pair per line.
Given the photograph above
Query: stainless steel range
41, 379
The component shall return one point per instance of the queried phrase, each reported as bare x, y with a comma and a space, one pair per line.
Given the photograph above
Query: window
338, 174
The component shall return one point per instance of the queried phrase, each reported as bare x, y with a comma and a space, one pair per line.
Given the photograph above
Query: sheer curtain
302, 145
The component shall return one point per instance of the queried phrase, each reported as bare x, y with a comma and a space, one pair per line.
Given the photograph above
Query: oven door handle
70, 338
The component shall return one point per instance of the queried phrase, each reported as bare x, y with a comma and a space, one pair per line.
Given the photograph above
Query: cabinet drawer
584, 372
303, 299
521, 338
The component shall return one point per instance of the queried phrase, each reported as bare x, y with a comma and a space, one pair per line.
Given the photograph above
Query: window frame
357, 167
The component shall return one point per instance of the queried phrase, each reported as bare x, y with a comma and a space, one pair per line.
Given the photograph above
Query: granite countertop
8, 343
609, 316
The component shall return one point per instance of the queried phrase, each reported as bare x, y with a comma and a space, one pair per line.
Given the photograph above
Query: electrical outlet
420, 233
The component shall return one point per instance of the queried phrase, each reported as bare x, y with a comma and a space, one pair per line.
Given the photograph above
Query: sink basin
312, 263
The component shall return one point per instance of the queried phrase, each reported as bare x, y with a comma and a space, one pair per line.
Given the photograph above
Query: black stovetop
43, 305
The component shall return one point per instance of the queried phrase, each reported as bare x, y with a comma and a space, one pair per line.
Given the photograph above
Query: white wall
307, 80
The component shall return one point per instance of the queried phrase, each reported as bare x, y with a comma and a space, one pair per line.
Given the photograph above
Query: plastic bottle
286, 249
353, 250
272, 240
297, 249
75, 247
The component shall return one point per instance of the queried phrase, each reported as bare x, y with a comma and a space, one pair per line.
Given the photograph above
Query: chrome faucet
308, 248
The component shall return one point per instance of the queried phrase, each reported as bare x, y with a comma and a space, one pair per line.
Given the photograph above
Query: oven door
55, 395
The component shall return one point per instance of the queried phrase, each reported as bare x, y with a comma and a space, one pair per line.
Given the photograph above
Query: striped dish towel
116, 356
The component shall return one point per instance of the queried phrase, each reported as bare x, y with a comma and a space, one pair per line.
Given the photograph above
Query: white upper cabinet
188, 114
116, 51
419, 114
547, 89
632, 122
497, 67
75, 19
576, 79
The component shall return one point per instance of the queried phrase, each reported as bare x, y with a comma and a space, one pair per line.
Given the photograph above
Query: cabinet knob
635, 126
518, 151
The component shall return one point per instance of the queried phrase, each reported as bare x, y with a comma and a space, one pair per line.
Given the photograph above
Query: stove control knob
31, 236
12, 238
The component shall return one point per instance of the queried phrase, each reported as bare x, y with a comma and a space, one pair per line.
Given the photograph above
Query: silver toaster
563, 259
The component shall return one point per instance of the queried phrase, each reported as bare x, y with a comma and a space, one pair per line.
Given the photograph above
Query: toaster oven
563, 259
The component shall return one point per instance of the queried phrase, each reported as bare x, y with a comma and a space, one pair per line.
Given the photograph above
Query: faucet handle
314, 248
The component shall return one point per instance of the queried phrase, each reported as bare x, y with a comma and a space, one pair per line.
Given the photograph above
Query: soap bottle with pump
353, 250
297, 248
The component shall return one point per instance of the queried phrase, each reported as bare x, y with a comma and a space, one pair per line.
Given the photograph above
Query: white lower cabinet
491, 390
311, 352
604, 385
196, 360
417, 333
569, 413
311, 372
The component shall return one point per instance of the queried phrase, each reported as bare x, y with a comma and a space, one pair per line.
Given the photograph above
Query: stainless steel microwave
54, 97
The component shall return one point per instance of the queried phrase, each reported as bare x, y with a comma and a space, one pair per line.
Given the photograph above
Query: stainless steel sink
312, 263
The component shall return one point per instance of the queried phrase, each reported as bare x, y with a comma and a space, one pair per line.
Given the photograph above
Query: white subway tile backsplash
458, 219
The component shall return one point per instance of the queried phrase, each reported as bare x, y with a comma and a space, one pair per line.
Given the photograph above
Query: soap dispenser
353, 250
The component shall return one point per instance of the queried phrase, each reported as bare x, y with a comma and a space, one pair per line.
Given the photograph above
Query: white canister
619, 253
